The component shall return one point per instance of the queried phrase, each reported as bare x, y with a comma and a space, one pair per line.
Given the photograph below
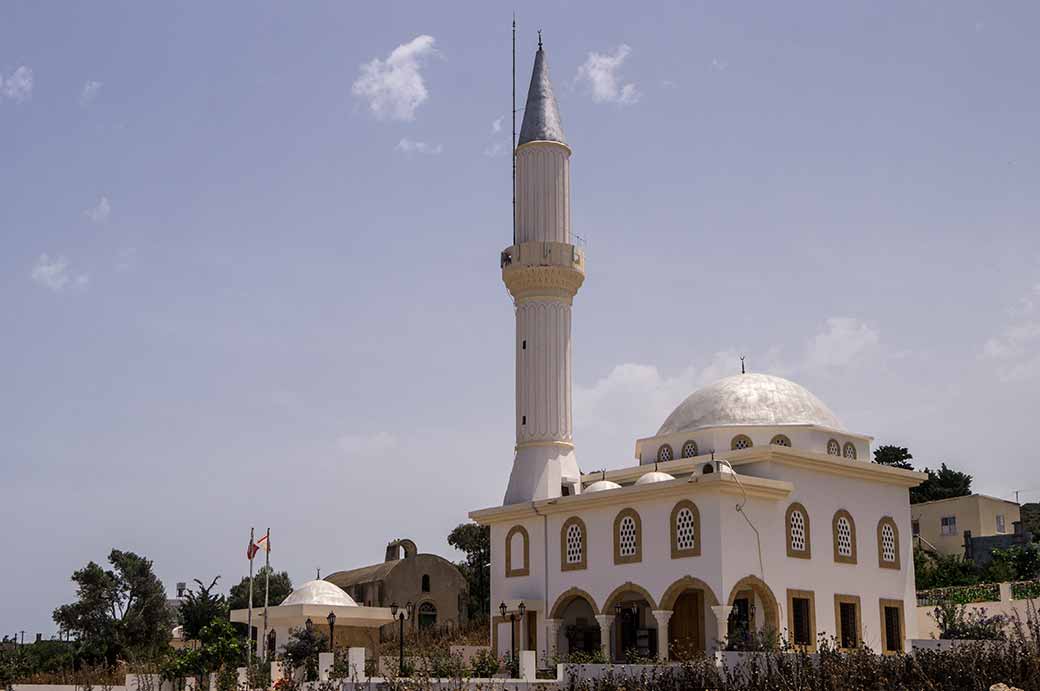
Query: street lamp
521, 608
393, 613
332, 631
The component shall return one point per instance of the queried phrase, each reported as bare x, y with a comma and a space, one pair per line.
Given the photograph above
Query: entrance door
532, 631
686, 626
740, 621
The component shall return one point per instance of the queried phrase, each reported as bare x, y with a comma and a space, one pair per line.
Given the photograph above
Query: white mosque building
752, 508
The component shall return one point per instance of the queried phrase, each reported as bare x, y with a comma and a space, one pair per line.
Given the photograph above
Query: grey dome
749, 399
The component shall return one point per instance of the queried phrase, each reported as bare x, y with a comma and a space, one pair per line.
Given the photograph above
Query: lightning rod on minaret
512, 118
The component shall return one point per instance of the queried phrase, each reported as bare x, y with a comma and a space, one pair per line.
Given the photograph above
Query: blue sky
249, 256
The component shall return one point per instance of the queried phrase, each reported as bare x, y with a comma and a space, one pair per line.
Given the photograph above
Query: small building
942, 525
433, 585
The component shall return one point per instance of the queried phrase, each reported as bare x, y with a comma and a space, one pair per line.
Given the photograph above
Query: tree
200, 608
475, 541
281, 587
1019, 563
894, 457
118, 612
1031, 519
303, 647
942, 570
942, 484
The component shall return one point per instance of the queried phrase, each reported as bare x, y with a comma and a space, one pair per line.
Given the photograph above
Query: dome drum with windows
747, 411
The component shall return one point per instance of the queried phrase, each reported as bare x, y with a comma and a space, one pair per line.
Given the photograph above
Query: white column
325, 662
356, 663
552, 633
606, 622
721, 613
663, 643
543, 191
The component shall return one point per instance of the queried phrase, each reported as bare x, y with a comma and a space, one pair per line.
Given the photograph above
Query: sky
249, 256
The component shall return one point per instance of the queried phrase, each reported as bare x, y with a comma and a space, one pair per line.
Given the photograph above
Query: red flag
251, 551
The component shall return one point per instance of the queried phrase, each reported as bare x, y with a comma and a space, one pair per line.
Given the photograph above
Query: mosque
751, 512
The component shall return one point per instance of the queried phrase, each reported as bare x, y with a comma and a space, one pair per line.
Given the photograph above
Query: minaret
543, 270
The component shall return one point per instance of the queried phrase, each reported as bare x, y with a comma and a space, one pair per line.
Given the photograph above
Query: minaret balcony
554, 269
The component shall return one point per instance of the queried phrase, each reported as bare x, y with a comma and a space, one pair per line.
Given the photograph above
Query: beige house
940, 525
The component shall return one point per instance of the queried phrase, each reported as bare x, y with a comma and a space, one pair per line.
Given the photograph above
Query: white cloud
367, 444
409, 146
394, 87
496, 125
600, 72
89, 92
719, 65
18, 86
843, 340
53, 273
100, 212
1016, 350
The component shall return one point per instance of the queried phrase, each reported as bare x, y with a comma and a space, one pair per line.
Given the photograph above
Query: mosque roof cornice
722, 483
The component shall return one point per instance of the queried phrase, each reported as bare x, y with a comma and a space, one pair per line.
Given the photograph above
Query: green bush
485, 664
958, 623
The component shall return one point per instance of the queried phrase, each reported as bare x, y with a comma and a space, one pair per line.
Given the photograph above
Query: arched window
781, 440
689, 449
518, 551
741, 441
426, 583
849, 451
427, 615
844, 537
573, 544
628, 537
686, 530
799, 542
664, 453
888, 543
833, 448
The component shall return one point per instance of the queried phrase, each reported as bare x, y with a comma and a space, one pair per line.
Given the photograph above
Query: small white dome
178, 633
319, 593
654, 476
601, 485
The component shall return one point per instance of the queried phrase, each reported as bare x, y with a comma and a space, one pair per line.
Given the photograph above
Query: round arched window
741, 441
664, 453
833, 447
849, 451
689, 449
781, 440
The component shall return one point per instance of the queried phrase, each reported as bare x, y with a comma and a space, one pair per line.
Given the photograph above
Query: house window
833, 448
517, 552
801, 622
664, 453
572, 544
689, 449
426, 583
948, 525
915, 527
781, 440
1000, 523
685, 530
844, 537
849, 451
846, 612
892, 630
627, 537
798, 532
741, 441
888, 543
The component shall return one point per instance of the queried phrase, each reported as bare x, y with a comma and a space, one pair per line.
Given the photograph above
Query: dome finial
539, 39
742, 365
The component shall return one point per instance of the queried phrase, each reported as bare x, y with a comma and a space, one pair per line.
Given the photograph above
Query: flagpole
249, 618
267, 585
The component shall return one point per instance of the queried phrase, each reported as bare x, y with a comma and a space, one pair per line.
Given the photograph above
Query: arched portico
575, 626
629, 623
688, 600
755, 610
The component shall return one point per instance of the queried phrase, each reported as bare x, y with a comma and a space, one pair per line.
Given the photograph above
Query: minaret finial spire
742, 371
539, 39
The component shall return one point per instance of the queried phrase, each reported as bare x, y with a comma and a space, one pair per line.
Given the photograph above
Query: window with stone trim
685, 530
689, 449
780, 440
798, 538
849, 451
844, 537
518, 552
888, 543
833, 448
573, 544
741, 441
628, 538
664, 453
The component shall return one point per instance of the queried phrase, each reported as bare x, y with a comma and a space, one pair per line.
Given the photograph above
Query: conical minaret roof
541, 115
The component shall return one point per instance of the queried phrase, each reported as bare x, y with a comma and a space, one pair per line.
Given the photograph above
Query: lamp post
332, 631
400, 636
521, 608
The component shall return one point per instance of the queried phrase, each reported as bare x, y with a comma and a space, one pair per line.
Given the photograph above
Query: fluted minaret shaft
543, 271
